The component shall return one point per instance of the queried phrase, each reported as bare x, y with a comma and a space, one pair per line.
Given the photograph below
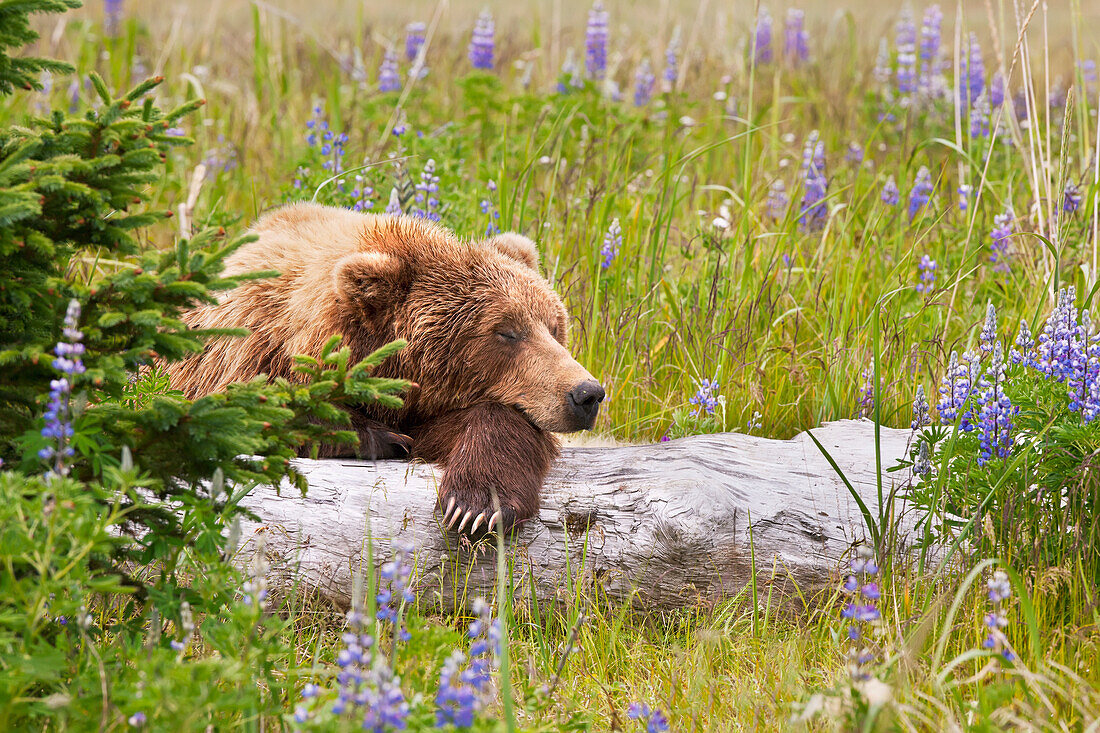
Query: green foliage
16, 33
93, 556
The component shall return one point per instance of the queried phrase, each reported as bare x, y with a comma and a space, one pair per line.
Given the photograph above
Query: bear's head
482, 324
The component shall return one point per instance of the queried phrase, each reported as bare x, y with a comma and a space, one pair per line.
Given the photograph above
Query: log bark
664, 527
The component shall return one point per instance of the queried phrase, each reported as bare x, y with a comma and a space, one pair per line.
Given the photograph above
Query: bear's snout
585, 400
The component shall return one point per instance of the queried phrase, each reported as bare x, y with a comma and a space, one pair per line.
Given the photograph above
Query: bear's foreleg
377, 441
487, 449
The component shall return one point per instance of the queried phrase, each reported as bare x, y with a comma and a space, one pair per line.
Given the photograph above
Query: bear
486, 346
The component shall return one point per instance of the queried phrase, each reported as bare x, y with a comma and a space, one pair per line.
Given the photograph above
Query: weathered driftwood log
666, 526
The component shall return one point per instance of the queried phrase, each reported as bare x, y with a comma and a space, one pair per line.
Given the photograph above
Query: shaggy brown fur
486, 342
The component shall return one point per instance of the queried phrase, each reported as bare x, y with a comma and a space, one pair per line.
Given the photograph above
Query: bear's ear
518, 247
372, 282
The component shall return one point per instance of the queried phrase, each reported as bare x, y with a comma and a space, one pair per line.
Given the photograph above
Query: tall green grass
785, 319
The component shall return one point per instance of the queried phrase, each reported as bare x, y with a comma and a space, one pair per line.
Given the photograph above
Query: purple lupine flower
58, 429
644, 83
1000, 239
1084, 367
137, 720
389, 80
930, 35
316, 124
706, 397
921, 412
948, 406
1054, 352
570, 76
655, 720
362, 195
906, 42
979, 118
396, 593
862, 612
999, 590
186, 627
921, 192
672, 61
890, 193
366, 682
881, 72
796, 46
922, 466
972, 71
755, 422
1021, 353
927, 275
414, 40
959, 382
393, 206
989, 330
854, 156
813, 153
611, 243
996, 90
867, 393
426, 191
595, 42
777, 200
994, 410
965, 191
813, 210
481, 42
465, 683
973, 382
762, 39
112, 21
1071, 198
490, 209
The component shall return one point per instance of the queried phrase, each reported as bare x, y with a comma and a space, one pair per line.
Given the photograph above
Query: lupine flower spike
890, 193
999, 590
796, 45
921, 192
1000, 237
931, 82
595, 42
644, 83
777, 200
995, 411
906, 39
921, 416
466, 683
481, 42
672, 62
861, 612
706, 397
762, 40
58, 430
426, 190
927, 269
611, 243
389, 80
654, 719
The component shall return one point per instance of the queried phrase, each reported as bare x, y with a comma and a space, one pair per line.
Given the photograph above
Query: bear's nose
585, 400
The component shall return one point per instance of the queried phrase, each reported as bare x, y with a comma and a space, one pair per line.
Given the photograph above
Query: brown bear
486, 346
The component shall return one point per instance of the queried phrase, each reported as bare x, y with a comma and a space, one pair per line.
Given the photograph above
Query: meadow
760, 220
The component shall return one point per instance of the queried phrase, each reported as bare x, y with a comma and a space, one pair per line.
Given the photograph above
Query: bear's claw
454, 515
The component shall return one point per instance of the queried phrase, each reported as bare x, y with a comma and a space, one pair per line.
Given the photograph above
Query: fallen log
664, 526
